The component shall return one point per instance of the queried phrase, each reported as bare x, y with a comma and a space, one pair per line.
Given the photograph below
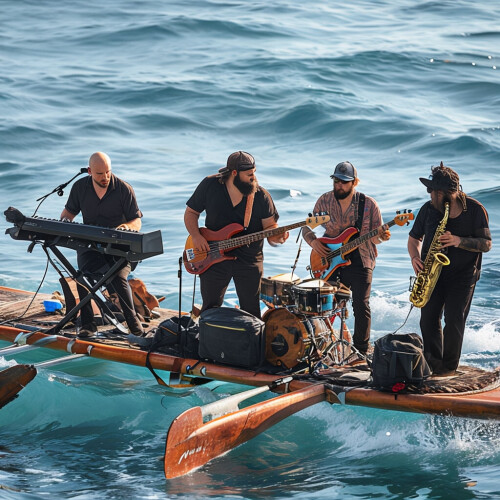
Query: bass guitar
197, 261
323, 267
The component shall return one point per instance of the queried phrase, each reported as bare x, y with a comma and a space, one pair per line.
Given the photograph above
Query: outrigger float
203, 433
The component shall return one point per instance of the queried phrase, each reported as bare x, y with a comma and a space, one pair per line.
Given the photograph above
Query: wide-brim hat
442, 179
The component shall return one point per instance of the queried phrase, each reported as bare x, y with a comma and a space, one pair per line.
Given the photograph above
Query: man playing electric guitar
233, 196
350, 209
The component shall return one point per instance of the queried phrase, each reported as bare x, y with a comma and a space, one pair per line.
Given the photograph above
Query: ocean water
169, 90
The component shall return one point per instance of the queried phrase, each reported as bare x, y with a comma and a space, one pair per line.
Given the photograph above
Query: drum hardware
341, 348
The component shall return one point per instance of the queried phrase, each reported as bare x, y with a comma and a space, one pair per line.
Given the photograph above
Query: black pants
359, 279
451, 296
94, 265
215, 280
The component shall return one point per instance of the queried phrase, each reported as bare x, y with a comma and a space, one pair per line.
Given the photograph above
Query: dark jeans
359, 279
451, 296
215, 280
94, 265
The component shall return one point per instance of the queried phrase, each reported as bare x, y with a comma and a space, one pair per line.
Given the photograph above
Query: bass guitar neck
224, 240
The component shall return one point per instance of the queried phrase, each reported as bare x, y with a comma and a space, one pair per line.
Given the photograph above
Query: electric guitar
222, 241
324, 267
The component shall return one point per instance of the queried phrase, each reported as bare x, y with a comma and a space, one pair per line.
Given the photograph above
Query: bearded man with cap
224, 198
466, 237
350, 208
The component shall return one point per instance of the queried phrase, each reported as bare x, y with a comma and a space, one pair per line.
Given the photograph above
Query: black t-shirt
468, 224
212, 197
116, 207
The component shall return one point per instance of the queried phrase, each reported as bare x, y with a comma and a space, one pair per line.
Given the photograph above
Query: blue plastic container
52, 305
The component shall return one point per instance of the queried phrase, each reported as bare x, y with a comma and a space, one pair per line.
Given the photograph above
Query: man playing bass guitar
350, 212
233, 196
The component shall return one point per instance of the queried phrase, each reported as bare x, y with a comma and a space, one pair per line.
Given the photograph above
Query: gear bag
233, 337
398, 362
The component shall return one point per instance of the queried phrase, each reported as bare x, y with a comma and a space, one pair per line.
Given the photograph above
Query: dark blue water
169, 90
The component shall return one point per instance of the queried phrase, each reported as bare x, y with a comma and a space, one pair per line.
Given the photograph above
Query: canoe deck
14, 302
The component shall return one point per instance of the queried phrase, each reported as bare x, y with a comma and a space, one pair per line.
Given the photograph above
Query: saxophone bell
442, 259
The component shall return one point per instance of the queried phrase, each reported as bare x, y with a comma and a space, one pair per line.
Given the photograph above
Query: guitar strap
248, 210
361, 209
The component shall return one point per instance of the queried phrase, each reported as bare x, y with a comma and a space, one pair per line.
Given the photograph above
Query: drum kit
300, 319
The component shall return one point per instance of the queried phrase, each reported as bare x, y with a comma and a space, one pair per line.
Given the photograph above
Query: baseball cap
345, 171
240, 161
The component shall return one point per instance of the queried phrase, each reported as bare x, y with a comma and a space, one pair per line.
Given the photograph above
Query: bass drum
293, 338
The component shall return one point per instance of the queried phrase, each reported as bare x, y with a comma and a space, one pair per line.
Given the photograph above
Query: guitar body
197, 262
323, 268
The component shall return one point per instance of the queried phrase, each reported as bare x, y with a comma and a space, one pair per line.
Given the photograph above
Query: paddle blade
192, 443
13, 379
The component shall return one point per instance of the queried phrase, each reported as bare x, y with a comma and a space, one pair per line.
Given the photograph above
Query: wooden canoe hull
484, 405
13, 379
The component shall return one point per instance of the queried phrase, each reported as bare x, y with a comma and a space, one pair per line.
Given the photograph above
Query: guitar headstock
403, 218
317, 219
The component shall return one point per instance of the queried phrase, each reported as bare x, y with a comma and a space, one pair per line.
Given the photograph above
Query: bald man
104, 200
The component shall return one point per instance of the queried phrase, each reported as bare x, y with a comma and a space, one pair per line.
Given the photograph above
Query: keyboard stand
105, 280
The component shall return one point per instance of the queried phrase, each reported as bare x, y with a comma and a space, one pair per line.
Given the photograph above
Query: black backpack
167, 338
399, 362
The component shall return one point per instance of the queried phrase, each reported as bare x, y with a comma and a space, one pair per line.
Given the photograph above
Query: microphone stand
59, 189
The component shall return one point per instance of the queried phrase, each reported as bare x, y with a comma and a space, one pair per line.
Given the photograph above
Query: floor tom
314, 297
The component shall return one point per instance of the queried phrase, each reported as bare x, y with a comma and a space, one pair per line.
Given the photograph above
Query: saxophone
426, 279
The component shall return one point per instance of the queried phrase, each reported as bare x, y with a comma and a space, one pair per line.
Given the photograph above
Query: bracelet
380, 239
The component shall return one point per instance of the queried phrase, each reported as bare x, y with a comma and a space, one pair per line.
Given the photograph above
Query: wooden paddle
192, 443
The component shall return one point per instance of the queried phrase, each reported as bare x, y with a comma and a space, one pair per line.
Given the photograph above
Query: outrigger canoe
203, 433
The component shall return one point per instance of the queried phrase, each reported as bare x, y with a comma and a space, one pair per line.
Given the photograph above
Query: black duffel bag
399, 362
233, 337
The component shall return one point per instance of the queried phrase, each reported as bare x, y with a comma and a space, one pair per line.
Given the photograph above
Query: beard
438, 203
103, 184
342, 195
245, 188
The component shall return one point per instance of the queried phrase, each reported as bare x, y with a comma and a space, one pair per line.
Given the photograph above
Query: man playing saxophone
462, 235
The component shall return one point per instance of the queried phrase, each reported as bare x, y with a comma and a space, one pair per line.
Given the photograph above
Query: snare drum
276, 291
315, 297
292, 338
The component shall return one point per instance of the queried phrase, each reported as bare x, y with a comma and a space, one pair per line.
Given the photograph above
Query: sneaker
85, 333
139, 340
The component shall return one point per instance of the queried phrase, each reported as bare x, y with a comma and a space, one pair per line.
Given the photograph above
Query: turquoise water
168, 90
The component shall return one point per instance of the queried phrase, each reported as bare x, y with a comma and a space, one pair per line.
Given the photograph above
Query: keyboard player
104, 200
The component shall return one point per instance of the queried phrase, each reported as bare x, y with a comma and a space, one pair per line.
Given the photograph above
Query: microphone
84, 170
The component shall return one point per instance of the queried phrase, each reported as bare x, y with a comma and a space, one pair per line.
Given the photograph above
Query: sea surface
169, 89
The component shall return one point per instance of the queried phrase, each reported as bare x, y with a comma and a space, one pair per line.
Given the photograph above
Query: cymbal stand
340, 358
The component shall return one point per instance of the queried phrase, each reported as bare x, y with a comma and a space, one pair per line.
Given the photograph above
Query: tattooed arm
479, 243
